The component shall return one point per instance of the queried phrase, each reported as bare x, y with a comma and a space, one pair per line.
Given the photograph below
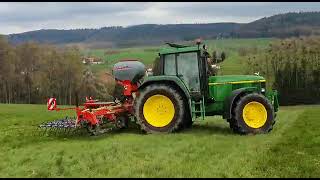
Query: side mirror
222, 56
149, 72
219, 57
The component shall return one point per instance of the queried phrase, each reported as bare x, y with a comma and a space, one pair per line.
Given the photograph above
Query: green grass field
209, 149
232, 65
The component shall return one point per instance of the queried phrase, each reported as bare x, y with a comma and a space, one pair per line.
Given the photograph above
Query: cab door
185, 66
188, 70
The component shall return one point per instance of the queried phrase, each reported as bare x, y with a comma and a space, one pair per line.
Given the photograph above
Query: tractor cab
189, 64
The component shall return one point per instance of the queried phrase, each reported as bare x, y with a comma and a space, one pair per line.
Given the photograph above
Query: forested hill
148, 33
282, 25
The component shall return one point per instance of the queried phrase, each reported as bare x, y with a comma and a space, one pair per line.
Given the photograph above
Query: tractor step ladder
198, 107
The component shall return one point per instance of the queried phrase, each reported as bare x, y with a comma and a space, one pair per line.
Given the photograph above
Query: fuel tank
131, 70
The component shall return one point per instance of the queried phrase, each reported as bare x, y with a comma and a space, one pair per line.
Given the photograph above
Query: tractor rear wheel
252, 114
187, 120
159, 108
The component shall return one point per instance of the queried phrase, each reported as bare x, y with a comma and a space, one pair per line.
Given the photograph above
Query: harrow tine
64, 130
40, 131
50, 131
67, 130
56, 133
78, 131
34, 132
60, 132
45, 131
53, 127
71, 131
75, 131
63, 127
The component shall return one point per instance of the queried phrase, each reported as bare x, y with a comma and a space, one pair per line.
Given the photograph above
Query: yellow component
237, 82
158, 110
254, 114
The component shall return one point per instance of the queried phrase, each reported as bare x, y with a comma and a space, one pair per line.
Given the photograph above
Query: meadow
208, 149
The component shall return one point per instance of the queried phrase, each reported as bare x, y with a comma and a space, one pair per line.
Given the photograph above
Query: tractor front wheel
159, 108
252, 114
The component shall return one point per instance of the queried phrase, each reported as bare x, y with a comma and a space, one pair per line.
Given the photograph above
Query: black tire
173, 95
238, 124
187, 120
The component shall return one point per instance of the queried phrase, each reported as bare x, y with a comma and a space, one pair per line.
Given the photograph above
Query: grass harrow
98, 117
94, 116
60, 126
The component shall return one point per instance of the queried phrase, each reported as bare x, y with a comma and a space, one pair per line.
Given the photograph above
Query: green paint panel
172, 78
232, 78
221, 87
170, 50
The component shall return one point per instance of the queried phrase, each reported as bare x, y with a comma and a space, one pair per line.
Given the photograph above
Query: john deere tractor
181, 91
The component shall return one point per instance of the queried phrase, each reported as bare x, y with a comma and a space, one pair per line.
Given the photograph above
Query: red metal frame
92, 109
128, 87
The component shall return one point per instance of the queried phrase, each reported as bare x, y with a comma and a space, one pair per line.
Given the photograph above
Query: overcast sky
16, 17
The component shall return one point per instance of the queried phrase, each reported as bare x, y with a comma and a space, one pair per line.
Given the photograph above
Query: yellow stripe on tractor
236, 82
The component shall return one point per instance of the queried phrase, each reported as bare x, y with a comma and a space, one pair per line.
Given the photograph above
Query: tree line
31, 73
292, 66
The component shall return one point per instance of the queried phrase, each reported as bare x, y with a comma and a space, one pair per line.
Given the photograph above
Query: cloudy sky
16, 17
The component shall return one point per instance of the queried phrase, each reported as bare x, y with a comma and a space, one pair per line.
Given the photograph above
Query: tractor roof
178, 49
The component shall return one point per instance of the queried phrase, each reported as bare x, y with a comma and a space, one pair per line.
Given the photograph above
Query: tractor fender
230, 100
172, 80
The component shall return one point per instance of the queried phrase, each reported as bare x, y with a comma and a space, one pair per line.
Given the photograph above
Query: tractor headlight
263, 87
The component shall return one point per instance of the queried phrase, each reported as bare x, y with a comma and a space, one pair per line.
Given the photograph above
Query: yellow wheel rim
254, 114
158, 110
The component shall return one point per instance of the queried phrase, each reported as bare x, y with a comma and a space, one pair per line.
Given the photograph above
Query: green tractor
181, 91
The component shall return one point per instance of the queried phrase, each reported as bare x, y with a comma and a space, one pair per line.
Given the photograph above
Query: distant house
92, 60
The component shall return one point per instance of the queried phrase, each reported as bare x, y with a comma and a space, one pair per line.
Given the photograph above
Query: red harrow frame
96, 116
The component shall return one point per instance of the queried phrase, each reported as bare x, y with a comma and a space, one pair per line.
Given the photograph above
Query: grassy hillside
232, 65
210, 149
